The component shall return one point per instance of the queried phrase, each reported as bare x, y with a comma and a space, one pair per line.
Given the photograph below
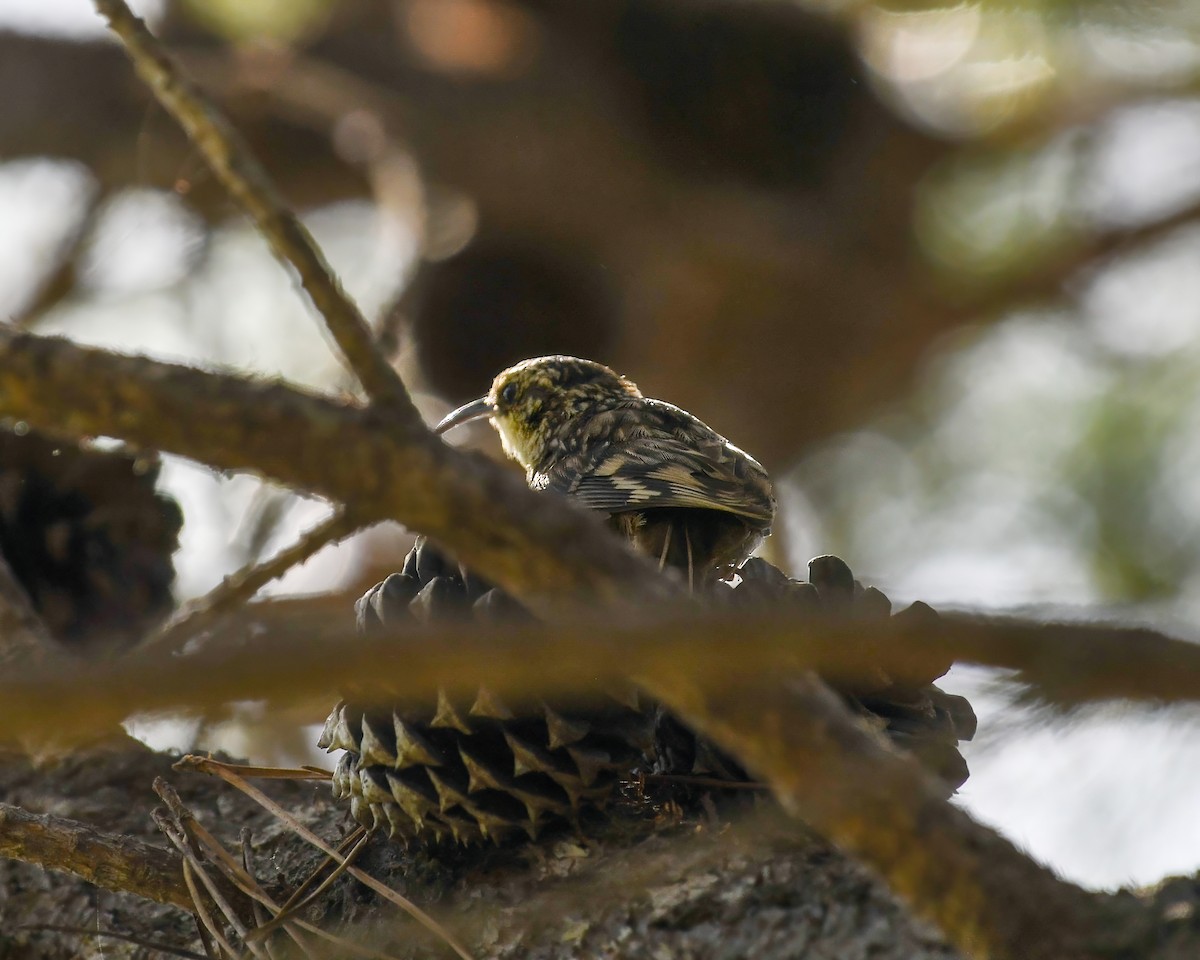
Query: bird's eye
509, 394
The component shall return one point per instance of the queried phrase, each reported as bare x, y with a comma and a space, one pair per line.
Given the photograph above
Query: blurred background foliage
933, 264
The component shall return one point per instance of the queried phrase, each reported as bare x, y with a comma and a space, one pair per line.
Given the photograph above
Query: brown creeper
672, 485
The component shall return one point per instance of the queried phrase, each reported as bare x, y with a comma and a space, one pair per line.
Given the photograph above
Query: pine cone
475, 770
919, 717
481, 771
88, 537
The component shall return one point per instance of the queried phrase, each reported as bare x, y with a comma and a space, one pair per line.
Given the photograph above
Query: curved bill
475, 410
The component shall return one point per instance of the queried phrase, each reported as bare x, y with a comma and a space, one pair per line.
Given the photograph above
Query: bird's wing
644, 463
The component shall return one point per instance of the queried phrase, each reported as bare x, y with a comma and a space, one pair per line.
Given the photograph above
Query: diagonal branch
845, 781
203, 612
304, 651
108, 860
1085, 253
542, 549
240, 173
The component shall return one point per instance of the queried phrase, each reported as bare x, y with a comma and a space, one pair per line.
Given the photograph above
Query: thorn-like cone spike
400, 827
412, 749
573, 788
325, 740
590, 763
449, 794
462, 828
625, 694
561, 731
341, 730
342, 774
494, 826
448, 717
479, 776
360, 810
375, 746
415, 795
487, 704
528, 758
374, 784
538, 800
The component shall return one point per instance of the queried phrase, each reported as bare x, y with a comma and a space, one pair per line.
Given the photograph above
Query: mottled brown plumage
676, 488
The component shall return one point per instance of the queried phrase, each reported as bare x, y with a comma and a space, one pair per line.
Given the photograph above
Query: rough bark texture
696, 889
746, 885
713, 220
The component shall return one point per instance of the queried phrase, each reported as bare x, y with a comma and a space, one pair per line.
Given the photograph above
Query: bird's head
531, 403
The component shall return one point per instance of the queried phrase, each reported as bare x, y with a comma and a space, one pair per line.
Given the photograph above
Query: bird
669, 483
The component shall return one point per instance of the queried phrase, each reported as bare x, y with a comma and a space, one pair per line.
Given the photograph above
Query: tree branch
541, 549
987, 897
238, 588
108, 860
304, 651
984, 894
1092, 251
288, 435
248, 184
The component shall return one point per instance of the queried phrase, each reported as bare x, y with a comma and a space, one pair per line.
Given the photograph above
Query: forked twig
193, 830
305, 772
203, 765
154, 945
177, 835
235, 166
202, 911
295, 904
241, 878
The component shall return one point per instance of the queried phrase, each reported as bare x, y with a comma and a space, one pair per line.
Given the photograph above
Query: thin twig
178, 835
714, 782
294, 905
108, 860
260, 915
240, 173
243, 881
154, 945
206, 940
201, 765
201, 910
275, 773
303, 661
346, 843
239, 587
